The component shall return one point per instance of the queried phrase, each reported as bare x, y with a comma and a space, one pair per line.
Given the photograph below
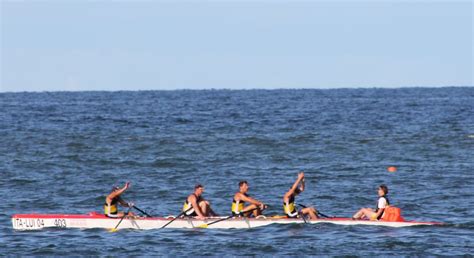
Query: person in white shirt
382, 203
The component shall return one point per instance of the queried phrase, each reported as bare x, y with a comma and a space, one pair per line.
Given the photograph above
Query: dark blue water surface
61, 153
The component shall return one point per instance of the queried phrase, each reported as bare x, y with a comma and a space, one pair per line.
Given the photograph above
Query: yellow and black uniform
290, 208
237, 206
187, 205
111, 210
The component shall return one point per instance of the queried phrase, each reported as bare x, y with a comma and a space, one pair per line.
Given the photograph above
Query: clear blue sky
138, 45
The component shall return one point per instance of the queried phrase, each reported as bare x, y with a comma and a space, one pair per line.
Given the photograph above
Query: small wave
252, 140
76, 145
122, 121
168, 162
96, 118
57, 120
302, 138
130, 163
22, 181
467, 225
169, 141
182, 120
365, 141
141, 147
280, 158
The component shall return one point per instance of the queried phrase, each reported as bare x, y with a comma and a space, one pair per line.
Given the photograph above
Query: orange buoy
392, 169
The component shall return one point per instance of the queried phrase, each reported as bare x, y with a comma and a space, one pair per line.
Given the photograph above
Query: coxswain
289, 206
111, 201
382, 203
196, 206
241, 197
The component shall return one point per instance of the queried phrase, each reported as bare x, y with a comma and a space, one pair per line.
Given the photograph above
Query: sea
61, 152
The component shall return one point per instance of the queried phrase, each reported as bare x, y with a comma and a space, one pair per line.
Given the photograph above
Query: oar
226, 218
179, 215
140, 210
326, 216
319, 213
304, 219
124, 215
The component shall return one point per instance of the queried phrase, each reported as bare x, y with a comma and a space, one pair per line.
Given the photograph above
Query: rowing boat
95, 220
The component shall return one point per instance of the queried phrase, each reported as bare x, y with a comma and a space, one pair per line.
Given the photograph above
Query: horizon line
240, 89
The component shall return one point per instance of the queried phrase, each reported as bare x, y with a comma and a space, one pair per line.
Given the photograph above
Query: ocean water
61, 152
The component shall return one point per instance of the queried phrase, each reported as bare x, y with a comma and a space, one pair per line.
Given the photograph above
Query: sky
74, 45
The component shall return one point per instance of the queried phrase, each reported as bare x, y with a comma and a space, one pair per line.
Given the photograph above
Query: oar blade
112, 230
203, 226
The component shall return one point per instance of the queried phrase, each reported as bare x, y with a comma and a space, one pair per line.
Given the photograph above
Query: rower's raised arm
118, 192
295, 185
302, 184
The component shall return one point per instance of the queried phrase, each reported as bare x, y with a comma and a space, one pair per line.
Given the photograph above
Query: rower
111, 201
289, 201
196, 206
241, 197
382, 203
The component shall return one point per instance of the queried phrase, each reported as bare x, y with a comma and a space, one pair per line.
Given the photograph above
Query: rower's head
243, 186
383, 190
198, 189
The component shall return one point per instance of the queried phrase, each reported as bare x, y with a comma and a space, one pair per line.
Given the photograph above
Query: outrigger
96, 220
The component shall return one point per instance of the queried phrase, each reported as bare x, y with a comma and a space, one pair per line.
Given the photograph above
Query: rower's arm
114, 194
118, 192
250, 200
286, 197
377, 214
192, 199
302, 185
297, 182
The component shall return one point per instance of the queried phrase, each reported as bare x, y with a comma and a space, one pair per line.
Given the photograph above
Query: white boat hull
93, 220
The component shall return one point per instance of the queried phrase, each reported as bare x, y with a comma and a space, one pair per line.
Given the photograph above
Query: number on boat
60, 223
40, 223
